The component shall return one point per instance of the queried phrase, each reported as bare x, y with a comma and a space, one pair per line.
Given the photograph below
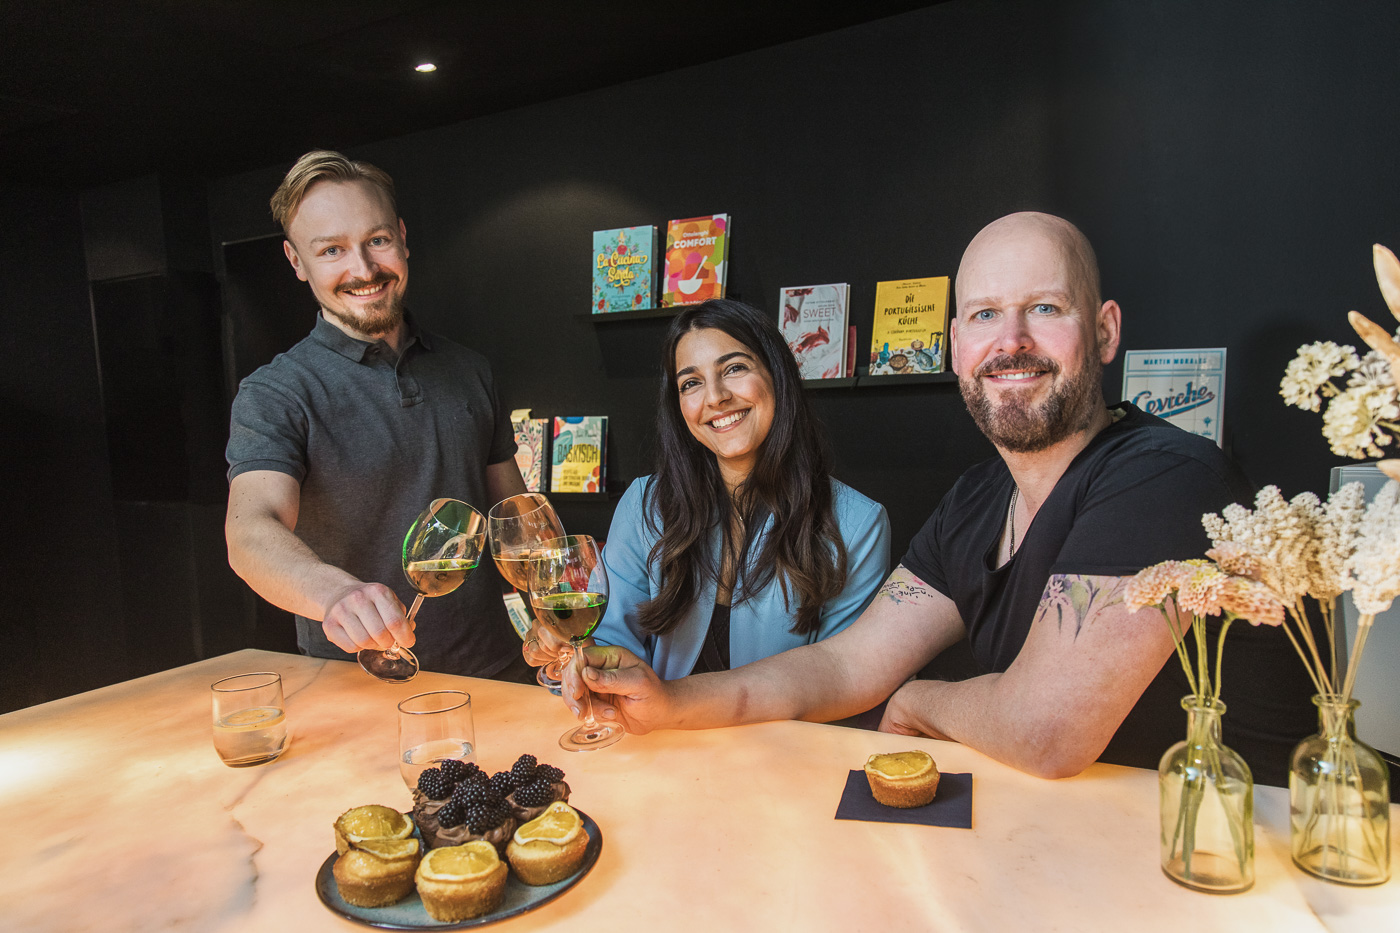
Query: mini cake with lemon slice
550, 847
902, 779
376, 872
461, 882
370, 822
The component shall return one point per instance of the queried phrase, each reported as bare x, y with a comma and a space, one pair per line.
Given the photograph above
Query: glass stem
579, 665
393, 651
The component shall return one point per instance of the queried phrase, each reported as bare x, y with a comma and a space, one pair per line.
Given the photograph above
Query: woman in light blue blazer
740, 545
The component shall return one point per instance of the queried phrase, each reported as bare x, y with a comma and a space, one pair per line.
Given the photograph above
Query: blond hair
324, 165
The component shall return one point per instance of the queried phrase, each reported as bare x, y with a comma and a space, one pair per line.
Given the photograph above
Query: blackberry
549, 774
535, 794
469, 792
502, 782
432, 783
473, 771
486, 817
453, 769
523, 769
449, 815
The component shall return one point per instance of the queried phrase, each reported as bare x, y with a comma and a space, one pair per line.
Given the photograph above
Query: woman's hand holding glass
569, 593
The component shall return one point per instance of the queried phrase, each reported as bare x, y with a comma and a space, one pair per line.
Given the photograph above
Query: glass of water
250, 723
432, 728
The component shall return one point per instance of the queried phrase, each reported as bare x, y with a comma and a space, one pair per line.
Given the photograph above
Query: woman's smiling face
726, 398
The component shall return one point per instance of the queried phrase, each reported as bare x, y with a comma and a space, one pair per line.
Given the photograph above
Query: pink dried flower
1151, 586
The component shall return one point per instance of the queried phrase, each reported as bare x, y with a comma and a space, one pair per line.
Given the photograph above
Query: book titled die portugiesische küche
911, 322
813, 321
697, 260
579, 454
623, 269
1186, 387
530, 434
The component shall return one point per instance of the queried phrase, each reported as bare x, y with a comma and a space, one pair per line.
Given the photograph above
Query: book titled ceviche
911, 322
813, 321
697, 260
579, 454
623, 269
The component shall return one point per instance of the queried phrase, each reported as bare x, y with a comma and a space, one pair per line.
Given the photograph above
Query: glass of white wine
250, 723
516, 528
569, 593
442, 546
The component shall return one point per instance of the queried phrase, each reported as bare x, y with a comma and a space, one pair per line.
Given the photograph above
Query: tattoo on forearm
1073, 599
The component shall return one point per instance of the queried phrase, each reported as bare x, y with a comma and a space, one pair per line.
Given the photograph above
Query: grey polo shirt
372, 440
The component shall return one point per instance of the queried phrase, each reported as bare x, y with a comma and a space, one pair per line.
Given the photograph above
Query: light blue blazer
759, 626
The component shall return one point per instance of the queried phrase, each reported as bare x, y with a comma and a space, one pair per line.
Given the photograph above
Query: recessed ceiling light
425, 67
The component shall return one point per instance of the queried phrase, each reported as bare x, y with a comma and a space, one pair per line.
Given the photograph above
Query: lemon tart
376, 872
461, 882
902, 779
550, 847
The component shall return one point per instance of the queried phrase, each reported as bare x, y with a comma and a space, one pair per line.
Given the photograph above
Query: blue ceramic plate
408, 914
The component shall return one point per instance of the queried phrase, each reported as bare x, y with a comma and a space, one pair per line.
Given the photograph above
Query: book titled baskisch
911, 322
579, 454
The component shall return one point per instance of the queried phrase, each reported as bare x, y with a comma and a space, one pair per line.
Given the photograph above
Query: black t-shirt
1133, 497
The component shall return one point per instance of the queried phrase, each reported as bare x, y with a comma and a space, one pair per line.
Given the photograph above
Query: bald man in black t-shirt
1026, 557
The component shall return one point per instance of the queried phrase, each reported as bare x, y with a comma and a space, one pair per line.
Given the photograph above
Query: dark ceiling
93, 91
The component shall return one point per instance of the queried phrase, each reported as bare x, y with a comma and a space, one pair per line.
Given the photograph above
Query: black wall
1232, 163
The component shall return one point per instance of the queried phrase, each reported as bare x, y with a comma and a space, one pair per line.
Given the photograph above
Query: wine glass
442, 546
516, 528
569, 593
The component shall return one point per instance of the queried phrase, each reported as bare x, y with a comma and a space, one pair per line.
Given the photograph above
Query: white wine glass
442, 546
516, 528
569, 593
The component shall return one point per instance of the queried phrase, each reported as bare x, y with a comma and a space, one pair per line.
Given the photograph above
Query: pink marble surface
121, 817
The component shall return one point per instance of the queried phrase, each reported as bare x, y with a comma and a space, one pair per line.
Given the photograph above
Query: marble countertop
120, 816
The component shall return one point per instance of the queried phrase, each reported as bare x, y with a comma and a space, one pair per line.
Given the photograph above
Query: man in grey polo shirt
340, 442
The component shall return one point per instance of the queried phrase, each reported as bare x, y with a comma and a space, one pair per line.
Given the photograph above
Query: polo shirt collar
332, 337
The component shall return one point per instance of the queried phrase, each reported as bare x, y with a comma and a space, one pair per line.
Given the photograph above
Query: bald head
1008, 240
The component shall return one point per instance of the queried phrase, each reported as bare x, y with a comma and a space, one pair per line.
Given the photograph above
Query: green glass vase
1339, 800
1207, 807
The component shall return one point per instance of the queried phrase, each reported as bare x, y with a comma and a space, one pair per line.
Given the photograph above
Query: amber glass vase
1339, 800
1207, 807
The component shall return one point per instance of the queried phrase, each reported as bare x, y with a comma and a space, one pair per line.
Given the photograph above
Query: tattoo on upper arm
1074, 599
900, 590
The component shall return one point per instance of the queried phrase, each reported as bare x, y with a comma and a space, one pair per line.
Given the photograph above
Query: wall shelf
612, 317
913, 379
844, 382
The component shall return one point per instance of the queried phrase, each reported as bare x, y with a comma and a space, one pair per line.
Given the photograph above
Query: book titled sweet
623, 269
697, 260
529, 447
579, 446
911, 321
1186, 387
813, 322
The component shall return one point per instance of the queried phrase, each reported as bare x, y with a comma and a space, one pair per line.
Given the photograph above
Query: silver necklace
1011, 519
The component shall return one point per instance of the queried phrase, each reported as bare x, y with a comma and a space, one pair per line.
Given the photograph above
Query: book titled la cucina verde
623, 269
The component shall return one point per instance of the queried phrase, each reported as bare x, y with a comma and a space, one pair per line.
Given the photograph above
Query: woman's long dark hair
791, 481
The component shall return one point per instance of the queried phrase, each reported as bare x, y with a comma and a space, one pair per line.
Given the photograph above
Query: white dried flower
1278, 540
1374, 567
1351, 422
1315, 366
1337, 540
1373, 370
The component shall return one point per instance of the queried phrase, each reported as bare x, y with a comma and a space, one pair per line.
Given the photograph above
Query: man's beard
378, 317
1022, 428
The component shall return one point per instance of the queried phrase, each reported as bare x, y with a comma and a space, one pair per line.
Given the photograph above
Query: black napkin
952, 807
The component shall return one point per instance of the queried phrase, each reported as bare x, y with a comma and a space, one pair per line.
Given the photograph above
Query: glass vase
1207, 807
1339, 800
